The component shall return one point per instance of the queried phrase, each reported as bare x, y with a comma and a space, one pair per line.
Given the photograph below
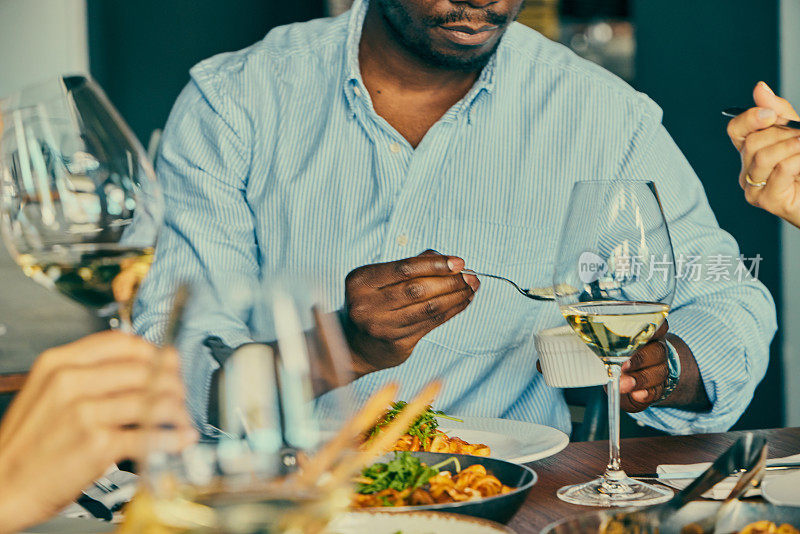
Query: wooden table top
581, 462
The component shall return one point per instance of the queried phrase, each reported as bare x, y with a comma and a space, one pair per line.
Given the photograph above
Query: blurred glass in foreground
241, 480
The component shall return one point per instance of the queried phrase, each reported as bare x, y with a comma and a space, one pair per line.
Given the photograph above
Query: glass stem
613, 471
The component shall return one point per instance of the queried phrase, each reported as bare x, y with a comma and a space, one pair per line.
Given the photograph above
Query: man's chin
460, 59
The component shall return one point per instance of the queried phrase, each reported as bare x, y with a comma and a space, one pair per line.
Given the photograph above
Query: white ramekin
566, 360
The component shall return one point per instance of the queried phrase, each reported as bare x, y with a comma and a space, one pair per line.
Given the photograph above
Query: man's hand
83, 408
644, 375
389, 307
770, 154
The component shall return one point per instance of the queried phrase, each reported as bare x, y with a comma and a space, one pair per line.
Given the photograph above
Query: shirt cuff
729, 368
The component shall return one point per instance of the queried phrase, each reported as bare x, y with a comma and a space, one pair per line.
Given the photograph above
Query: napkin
723, 489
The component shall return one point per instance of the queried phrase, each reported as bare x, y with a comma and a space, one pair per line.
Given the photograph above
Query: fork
539, 293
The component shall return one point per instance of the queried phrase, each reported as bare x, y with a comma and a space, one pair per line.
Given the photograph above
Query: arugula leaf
423, 428
403, 472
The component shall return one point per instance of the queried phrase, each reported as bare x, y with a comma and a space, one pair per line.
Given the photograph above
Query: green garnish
423, 428
401, 473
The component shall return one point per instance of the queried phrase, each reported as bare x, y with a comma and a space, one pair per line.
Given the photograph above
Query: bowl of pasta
469, 485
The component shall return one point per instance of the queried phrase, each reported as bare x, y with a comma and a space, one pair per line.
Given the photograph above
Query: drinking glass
81, 206
614, 281
276, 401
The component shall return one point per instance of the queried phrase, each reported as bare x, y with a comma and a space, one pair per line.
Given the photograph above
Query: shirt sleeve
208, 237
723, 313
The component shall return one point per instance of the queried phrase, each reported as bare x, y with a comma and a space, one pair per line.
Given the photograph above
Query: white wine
615, 329
95, 275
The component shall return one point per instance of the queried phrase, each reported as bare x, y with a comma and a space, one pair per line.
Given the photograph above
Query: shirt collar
355, 89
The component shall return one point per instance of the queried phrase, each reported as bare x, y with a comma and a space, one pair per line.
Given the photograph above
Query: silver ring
752, 183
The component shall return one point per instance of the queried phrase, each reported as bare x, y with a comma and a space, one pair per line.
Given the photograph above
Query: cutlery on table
685, 475
723, 520
747, 453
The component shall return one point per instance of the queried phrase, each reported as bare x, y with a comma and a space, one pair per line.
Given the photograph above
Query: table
580, 462
35, 319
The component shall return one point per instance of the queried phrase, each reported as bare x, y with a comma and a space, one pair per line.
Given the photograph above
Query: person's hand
82, 409
644, 375
389, 307
770, 154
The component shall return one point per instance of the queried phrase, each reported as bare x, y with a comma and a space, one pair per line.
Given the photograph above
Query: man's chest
358, 197
352, 192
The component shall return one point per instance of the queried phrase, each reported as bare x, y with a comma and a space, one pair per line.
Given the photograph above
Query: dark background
141, 51
693, 59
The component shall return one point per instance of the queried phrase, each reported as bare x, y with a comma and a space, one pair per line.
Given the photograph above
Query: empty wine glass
81, 206
614, 281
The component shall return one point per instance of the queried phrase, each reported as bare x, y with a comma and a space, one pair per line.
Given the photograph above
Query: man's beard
417, 41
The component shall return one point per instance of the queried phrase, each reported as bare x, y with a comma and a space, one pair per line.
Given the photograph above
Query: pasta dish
424, 434
406, 481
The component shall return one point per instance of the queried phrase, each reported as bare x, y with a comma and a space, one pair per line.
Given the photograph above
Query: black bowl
500, 508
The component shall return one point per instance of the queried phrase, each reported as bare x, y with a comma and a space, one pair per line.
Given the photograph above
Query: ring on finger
750, 181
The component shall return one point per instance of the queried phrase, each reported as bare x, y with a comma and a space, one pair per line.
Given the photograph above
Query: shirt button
395, 148
356, 91
402, 240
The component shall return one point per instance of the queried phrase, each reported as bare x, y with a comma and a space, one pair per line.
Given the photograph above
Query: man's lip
469, 36
468, 29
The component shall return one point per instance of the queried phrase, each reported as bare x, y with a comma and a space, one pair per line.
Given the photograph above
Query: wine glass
266, 420
81, 206
614, 281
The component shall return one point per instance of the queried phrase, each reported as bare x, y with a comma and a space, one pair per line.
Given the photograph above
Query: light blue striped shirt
275, 161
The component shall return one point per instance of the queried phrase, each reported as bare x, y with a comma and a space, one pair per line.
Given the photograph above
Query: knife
688, 475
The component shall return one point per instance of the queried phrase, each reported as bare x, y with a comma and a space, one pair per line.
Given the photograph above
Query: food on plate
407, 481
759, 527
424, 434
768, 527
616, 526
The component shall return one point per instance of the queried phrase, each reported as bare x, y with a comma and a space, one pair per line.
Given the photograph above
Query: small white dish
566, 360
412, 523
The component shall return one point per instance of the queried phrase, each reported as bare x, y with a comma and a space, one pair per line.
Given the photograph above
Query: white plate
412, 523
510, 440
782, 489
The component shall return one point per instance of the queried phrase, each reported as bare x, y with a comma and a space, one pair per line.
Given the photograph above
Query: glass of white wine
614, 282
80, 203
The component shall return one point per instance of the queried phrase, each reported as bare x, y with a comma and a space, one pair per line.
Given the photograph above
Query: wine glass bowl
614, 282
81, 206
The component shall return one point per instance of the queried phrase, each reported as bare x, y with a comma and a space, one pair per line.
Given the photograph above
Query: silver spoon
537, 293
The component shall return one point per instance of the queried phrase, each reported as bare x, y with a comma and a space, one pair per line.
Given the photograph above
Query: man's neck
410, 93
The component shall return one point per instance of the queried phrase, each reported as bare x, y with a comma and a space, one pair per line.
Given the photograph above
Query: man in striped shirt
342, 148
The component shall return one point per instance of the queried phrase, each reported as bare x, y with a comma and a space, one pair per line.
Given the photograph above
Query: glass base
614, 490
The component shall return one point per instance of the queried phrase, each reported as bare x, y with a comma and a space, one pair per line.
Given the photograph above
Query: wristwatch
674, 367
